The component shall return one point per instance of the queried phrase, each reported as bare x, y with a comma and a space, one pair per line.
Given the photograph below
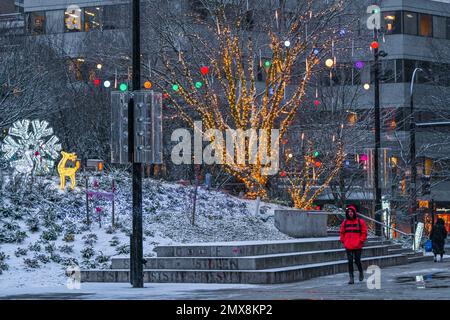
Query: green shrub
20, 252
31, 263
66, 249
69, 237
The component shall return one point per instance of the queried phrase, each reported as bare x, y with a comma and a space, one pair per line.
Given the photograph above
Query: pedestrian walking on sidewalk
353, 234
437, 237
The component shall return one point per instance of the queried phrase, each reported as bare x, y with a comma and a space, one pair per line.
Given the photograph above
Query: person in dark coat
353, 234
437, 237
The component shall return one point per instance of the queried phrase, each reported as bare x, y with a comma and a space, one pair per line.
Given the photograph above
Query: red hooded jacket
353, 232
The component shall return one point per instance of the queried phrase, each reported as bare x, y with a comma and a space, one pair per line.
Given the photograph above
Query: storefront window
73, 19
36, 23
439, 27
425, 25
92, 18
410, 23
392, 22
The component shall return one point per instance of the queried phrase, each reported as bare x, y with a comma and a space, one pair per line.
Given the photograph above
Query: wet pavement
424, 280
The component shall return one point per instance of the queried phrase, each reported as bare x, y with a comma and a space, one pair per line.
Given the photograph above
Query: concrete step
399, 250
249, 262
422, 258
266, 276
254, 248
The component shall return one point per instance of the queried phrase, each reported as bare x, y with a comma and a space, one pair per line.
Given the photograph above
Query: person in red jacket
353, 234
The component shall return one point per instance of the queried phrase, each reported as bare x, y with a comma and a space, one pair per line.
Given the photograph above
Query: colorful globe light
318, 164
175, 87
283, 174
374, 45
267, 63
123, 87
366, 86
329, 63
287, 43
198, 84
97, 82
316, 51
359, 65
107, 84
147, 85
316, 154
316, 103
204, 70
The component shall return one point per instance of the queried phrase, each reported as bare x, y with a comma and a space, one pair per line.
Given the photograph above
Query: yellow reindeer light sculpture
67, 171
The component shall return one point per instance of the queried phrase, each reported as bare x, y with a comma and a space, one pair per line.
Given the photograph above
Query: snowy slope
43, 229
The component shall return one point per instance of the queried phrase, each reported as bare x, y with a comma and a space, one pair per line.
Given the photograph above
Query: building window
439, 27
76, 69
425, 25
392, 22
408, 69
389, 74
92, 19
410, 23
36, 23
73, 20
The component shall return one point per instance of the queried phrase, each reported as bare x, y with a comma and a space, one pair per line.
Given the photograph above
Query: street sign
147, 127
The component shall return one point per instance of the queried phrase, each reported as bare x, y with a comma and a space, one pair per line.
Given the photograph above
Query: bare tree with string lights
235, 72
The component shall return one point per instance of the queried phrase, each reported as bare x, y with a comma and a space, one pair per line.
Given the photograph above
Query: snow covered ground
43, 230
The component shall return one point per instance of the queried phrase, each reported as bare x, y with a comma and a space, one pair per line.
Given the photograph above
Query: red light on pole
97, 82
374, 45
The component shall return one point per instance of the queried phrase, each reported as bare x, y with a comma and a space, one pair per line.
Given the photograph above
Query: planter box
301, 223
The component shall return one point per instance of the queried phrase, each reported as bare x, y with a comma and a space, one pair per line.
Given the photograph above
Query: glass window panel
93, 18
439, 27
409, 66
410, 23
425, 25
36, 23
392, 22
448, 27
73, 20
388, 68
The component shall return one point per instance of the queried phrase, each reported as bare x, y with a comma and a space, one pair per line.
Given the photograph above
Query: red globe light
204, 70
318, 164
374, 45
316, 103
283, 174
97, 82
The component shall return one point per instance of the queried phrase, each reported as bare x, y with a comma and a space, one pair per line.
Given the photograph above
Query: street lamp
412, 151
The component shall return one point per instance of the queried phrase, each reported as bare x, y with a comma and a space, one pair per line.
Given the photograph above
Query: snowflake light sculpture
31, 152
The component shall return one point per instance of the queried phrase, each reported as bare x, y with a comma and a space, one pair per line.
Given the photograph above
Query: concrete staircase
262, 262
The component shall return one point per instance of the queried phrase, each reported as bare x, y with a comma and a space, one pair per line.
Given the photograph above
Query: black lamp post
412, 151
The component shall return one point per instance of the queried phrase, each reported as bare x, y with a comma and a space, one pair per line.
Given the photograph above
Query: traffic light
426, 185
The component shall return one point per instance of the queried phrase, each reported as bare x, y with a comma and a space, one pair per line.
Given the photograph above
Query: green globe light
198, 84
267, 64
316, 154
123, 87
175, 87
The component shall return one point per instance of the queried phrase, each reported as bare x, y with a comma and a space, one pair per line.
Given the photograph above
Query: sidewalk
396, 283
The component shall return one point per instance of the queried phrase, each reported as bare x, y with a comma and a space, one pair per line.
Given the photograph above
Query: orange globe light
318, 164
374, 45
147, 85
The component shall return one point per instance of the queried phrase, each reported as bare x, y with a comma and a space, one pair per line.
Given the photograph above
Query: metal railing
383, 225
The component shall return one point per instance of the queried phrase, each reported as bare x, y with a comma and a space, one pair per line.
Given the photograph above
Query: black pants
354, 255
